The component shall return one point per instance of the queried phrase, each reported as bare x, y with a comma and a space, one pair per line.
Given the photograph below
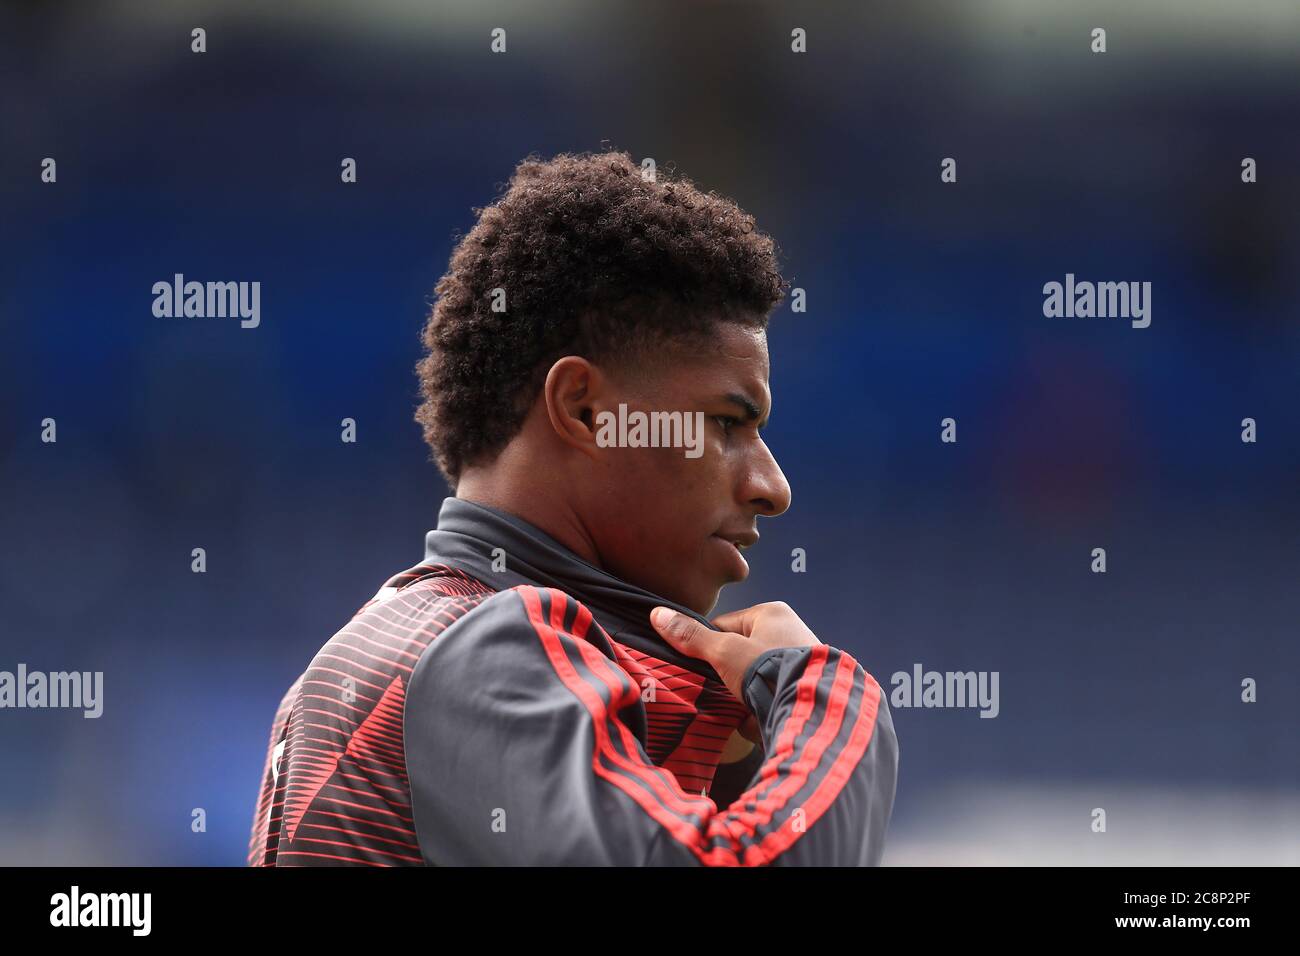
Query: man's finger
685, 633
738, 622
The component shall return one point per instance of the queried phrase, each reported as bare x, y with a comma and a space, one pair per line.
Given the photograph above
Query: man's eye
726, 421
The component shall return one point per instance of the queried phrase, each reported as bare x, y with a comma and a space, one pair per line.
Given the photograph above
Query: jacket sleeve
264, 836
520, 751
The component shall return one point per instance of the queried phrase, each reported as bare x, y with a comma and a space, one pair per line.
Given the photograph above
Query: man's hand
740, 638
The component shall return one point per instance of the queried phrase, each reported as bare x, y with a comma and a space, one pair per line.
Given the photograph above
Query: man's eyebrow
751, 409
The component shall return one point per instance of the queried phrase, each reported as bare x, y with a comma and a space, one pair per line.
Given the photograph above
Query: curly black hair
594, 260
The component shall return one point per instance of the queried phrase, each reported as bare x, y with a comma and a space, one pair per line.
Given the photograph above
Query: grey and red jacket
505, 702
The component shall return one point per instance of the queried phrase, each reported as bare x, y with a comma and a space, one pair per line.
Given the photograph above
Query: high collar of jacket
469, 534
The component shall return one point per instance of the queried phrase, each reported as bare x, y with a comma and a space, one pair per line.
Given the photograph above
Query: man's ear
574, 392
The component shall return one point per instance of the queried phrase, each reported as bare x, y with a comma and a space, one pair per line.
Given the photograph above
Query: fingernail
661, 616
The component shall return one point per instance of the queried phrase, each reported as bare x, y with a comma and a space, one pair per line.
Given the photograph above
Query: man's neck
534, 502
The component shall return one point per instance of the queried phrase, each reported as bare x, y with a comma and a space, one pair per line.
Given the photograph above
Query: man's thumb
681, 632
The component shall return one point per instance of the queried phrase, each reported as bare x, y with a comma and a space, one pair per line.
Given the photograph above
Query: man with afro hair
545, 688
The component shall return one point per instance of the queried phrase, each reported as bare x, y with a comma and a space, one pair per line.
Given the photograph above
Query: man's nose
766, 488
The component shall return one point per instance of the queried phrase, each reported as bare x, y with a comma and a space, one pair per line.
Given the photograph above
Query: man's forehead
732, 358
735, 362
743, 345
734, 346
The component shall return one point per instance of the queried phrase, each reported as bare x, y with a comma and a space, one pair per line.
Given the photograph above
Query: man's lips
741, 539
735, 542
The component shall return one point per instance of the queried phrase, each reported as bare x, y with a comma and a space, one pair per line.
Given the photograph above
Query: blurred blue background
1119, 690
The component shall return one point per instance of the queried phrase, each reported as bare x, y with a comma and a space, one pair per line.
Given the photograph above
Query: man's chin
698, 600
701, 599
708, 602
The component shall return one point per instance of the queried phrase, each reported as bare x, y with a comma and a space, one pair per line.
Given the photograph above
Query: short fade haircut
594, 261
